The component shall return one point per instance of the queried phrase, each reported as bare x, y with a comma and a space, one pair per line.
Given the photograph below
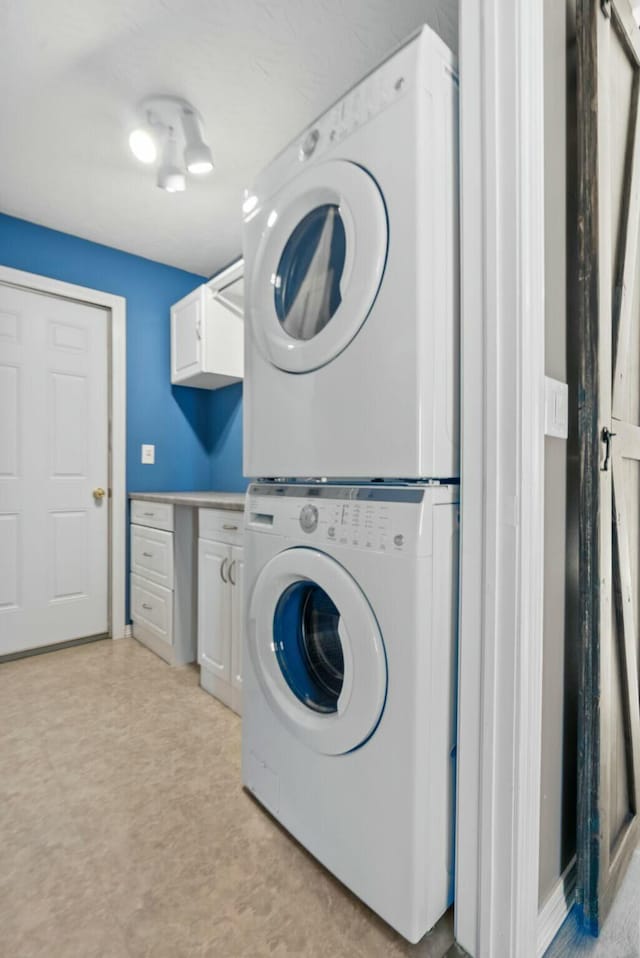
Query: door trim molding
556, 908
117, 412
502, 473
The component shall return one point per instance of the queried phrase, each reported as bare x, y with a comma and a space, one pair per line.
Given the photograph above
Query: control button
308, 145
398, 540
309, 518
332, 532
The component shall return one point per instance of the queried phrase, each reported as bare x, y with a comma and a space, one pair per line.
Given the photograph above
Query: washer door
317, 651
318, 265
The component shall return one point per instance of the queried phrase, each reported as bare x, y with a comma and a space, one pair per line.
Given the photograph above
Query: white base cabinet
163, 599
220, 584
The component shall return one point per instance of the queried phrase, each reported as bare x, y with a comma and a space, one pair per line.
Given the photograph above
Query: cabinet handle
231, 579
229, 528
145, 606
149, 514
148, 555
224, 562
199, 327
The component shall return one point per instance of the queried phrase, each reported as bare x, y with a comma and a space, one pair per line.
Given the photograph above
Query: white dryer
351, 277
348, 723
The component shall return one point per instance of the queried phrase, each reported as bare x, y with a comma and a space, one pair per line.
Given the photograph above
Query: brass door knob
99, 493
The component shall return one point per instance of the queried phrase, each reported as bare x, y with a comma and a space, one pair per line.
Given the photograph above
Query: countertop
233, 501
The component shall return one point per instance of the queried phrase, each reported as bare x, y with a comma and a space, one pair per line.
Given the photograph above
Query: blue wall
175, 419
225, 434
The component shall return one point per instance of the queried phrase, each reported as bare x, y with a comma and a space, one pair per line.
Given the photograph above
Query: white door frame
502, 469
117, 415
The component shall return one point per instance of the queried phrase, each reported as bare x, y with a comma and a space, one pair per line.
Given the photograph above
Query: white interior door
54, 544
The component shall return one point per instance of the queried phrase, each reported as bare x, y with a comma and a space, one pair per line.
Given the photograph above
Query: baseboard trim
128, 632
55, 647
556, 908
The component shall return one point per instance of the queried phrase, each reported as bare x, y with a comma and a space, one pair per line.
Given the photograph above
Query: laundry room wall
225, 439
559, 743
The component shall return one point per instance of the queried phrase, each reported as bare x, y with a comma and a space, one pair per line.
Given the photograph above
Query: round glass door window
307, 281
308, 646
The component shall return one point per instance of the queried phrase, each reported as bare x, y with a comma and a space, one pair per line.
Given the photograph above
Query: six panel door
53, 456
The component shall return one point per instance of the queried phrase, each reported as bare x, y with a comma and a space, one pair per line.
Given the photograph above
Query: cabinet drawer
152, 608
221, 525
152, 555
157, 515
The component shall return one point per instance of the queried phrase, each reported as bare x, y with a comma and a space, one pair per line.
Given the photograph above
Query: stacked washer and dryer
351, 529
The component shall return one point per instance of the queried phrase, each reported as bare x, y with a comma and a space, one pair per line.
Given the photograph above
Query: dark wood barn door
609, 428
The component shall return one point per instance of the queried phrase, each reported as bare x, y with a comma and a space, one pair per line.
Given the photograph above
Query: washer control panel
370, 97
365, 524
392, 520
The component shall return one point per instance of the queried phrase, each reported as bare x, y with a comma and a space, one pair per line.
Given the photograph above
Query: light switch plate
148, 457
556, 408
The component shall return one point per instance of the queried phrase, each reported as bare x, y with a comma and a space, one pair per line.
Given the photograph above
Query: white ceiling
72, 72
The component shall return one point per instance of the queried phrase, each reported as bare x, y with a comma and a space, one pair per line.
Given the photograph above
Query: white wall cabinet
220, 585
207, 332
163, 603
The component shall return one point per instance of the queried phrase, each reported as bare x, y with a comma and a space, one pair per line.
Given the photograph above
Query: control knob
309, 518
308, 146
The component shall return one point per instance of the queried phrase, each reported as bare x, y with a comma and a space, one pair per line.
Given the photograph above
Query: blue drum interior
308, 647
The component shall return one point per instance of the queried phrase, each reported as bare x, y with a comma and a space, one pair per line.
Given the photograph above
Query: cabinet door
237, 625
187, 330
214, 612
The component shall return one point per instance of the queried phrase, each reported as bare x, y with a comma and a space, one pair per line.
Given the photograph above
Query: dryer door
317, 651
318, 266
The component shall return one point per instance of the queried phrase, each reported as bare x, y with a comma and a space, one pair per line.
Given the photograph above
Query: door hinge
605, 6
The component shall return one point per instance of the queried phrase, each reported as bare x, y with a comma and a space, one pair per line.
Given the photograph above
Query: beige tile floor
124, 830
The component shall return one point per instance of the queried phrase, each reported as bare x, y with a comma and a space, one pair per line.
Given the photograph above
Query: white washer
348, 723
351, 259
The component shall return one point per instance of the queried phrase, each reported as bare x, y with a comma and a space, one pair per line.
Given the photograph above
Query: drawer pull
229, 528
231, 579
145, 606
148, 555
149, 514
224, 562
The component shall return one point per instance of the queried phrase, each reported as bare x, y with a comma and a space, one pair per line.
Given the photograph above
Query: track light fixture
171, 128
197, 155
170, 174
